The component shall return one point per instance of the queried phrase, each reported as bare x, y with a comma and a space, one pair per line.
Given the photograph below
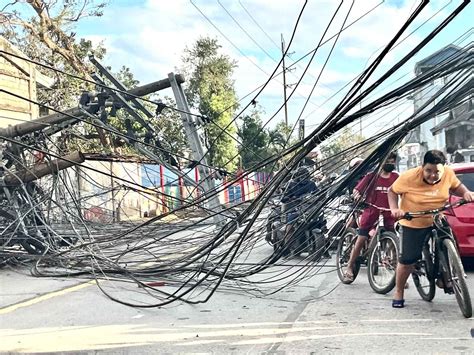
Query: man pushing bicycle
423, 188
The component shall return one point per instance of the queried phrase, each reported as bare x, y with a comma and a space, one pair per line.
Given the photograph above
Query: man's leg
389, 224
367, 220
403, 272
411, 244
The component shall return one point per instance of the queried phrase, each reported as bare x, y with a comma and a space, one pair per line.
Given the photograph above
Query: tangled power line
156, 262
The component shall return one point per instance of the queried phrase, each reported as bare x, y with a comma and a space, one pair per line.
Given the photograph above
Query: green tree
339, 151
281, 137
254, 146
210, 90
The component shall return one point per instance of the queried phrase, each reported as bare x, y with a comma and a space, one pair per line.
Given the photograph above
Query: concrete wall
106, 199
108, 192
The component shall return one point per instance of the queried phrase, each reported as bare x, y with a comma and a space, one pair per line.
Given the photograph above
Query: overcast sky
149, 37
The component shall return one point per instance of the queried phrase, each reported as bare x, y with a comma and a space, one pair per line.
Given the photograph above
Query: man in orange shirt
424, 188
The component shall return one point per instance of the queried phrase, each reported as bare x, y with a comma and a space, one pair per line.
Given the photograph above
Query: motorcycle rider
299, 186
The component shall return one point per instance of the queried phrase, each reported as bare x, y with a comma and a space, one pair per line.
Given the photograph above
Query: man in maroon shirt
374, 187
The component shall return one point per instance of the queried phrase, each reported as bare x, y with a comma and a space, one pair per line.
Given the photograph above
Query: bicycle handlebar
368, 204
360, 204
410, 215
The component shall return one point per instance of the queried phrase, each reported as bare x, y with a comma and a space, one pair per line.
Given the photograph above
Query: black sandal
398, 303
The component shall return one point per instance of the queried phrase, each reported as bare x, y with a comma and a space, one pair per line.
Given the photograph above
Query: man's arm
361, 187
462, 191
393, 203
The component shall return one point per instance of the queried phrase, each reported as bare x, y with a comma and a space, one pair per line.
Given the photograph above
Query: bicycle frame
374, 238
441, 261
439, 251
374, 234
380, 254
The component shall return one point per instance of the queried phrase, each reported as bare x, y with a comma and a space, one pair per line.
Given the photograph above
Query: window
467, 179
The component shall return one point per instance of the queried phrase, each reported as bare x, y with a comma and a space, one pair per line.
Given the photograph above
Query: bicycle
440, 263
380, 254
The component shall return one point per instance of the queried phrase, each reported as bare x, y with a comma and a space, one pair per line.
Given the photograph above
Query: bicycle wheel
423, 275
344, 249
382, 263
457, 276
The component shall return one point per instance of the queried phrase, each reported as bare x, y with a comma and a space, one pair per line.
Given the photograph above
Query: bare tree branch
48, 30
5, 7
80, 12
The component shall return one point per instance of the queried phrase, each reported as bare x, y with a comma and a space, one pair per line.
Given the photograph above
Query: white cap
355, 161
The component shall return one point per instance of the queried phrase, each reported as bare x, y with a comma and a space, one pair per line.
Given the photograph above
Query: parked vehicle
461, 219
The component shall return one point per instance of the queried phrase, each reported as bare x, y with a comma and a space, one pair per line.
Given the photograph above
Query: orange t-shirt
417, 195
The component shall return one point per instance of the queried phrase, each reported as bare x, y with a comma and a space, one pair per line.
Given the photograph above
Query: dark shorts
369, 218
411, 244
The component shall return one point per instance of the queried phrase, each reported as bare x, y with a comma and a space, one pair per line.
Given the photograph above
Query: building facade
21, 78
445, 131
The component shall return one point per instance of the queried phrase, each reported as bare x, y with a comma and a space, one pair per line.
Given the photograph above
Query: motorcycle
310, 239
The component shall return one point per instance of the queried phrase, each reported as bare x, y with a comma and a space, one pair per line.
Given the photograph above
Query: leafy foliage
258, 143
210, 89
254, 145
43, 30
336, 152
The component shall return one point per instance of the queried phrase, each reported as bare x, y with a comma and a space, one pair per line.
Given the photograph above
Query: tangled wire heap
41, 213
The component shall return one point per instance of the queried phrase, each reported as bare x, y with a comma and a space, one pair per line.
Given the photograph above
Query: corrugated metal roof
441, 55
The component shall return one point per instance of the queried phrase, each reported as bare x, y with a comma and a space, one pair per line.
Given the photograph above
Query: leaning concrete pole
190, 128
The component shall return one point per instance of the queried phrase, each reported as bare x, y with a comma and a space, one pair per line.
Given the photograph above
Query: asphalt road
318, 316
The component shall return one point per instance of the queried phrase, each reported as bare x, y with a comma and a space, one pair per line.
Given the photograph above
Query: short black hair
392, 155
434, 157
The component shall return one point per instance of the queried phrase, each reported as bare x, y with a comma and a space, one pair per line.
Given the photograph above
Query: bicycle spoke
382, 264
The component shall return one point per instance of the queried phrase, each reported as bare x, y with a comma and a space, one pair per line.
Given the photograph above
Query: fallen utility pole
54, 119
38, 171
